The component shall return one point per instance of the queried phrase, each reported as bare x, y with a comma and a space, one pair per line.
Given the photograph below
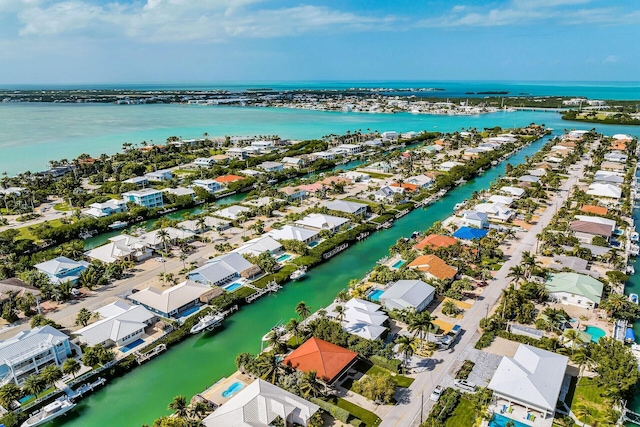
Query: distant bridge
540, 109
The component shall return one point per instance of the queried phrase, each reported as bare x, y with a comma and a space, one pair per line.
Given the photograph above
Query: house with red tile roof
596, 210
436, 241
226, 179
433, 267
327, 359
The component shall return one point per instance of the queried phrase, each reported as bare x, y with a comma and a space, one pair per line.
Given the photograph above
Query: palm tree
449, 308
573, 336
582, 413
614, 304
580, 357
303, 310
309, 384
407, 347
270, 367
183, 258
517, 273
179, 406
294, 327
34, 385
340, 312
8, 394
165, 238
50, 374
421, 324
71, 366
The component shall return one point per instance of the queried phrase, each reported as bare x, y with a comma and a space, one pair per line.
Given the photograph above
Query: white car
465, 385
435, 395
159, 259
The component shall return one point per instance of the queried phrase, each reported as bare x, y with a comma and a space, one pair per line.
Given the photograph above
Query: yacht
630, 270
207, 322
49, 412
634, 236
634, 250
118, 225
298, 274
633, 298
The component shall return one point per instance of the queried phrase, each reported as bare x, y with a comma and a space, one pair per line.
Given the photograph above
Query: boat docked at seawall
633, 298
634, 237
118, 225
49, 412
629, 336
208, 322
298, 274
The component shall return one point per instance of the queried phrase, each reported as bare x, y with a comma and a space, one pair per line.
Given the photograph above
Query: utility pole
421, 406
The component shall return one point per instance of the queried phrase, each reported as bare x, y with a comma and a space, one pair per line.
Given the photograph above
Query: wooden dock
143, 357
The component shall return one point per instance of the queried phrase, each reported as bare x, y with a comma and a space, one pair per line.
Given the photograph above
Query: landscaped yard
400, 380
463, 416
369, 418
587, 394
25, 233
61, 207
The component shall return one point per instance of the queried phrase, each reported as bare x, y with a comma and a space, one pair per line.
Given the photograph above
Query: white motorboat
298, 274
49, 412
633, 298
207, 322
634, 236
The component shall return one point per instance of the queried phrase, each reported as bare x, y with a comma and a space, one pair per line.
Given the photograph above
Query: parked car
435, 395
445, 342
465, 385
455, 331
159, 259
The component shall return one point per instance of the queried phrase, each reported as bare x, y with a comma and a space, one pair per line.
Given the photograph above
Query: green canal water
190, 367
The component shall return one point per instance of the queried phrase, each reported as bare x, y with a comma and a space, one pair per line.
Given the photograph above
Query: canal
142, 395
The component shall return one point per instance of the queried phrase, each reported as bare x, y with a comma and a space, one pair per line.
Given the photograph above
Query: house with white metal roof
514, 192
28, 352
259, 245
345, 206
360, 317
320, 222
531, 378
223, 269
290, 232
609, 191
110, 207
121, 248
62, 269
121, 323
408, 294
258, 405
173, 301
233, 212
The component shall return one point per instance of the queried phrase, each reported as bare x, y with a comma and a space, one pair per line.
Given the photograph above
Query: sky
135, 41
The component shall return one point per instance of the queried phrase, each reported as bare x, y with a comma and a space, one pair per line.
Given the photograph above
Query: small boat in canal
298, 274
49, 412
633, 298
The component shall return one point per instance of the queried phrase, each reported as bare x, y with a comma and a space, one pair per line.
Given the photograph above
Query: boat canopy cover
629, 335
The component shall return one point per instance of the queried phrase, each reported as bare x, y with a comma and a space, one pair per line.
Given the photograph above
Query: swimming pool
595, 332
375, 295
232, 389
500, 421
313, 244
232, 287
284, 257
398, 264
131, 345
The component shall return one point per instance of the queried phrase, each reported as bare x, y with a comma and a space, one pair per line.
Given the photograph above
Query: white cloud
611, 58
176, 20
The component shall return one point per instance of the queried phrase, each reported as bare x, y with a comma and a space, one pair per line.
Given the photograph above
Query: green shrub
391, 364
485, 340
465, 370
356, 422
335, 411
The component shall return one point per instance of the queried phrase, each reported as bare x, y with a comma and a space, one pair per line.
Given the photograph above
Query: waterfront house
530, 179
153, 240
389, 135
323, 155
294, 162
62, 269
290, 232
233, 212
447, 166
347, 207
121, 248
379, 167
260, 404
211, 185
228, 179
350, 149
422, 181
14, 287
408, 294
607, 177
147, 197
238, 153
362, 318
320, 222
613, 166
608, 191
110, 207
475, 219
28, 352
514, 192
503, 200
294, 194
159, 175
260, 245
223, 269
596, 210
140, 181
120, 324
433, 267
579, 265
587, 230
532, 378
356, 176
271, 166
180, 191
171, 302
435, 241
575, 289
387, 194
263, 146
328, 360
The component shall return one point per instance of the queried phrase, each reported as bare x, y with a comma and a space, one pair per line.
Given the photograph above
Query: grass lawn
185, 171
25, 233
369, 418
463, 416
32, 398
61, 207
363, 201
588, 394
400, 380
376, 174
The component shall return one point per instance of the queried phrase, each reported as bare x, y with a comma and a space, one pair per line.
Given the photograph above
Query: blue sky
92, 41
